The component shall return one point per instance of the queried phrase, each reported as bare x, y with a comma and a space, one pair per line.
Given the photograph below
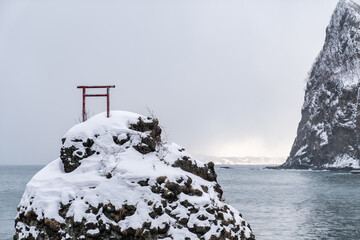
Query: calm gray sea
279, 204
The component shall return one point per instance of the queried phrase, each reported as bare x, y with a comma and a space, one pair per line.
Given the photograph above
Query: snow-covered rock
328, 133
116, 179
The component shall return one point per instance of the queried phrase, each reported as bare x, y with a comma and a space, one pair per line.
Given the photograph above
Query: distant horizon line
231, 164
199, 157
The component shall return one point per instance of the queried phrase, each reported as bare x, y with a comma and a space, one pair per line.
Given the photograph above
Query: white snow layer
87, 184
343, 161
301, 151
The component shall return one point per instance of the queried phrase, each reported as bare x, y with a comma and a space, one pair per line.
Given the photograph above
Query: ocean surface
278, 204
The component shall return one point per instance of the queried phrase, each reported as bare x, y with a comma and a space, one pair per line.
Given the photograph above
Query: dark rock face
148, 144
169, 192
51, 229
328, 133
152, 126
207, 172
72, 155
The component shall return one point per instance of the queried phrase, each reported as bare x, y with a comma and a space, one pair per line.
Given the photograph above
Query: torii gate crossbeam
107, 95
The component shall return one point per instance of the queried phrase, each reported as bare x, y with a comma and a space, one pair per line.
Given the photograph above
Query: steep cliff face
116, 179
328, 133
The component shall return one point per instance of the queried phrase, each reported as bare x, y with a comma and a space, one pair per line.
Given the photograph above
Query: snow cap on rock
117, 179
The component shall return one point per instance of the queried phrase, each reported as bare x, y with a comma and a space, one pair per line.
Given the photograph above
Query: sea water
13, 180
278, 204
294, 204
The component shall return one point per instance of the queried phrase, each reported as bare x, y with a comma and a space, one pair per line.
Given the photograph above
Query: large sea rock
117, 179
328, 134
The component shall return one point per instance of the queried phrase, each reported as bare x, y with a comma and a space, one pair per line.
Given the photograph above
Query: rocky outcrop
117, 179
328, 133
73, 154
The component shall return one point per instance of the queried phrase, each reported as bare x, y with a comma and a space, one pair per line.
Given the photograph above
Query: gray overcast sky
225, 78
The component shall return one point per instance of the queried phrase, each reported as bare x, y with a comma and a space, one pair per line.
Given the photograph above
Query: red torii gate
107, 95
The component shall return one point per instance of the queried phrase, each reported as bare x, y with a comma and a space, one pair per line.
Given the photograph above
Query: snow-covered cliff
328, 133
116, 179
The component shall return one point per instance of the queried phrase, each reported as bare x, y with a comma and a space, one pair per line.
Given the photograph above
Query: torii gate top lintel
105, 86
107, 95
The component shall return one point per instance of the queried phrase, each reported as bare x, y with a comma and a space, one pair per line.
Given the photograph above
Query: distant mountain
328, 133
242, 160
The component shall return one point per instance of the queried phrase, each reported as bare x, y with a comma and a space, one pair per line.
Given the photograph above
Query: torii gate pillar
107, 95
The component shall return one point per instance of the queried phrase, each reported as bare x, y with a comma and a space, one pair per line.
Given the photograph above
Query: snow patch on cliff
301, 151
343, 161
